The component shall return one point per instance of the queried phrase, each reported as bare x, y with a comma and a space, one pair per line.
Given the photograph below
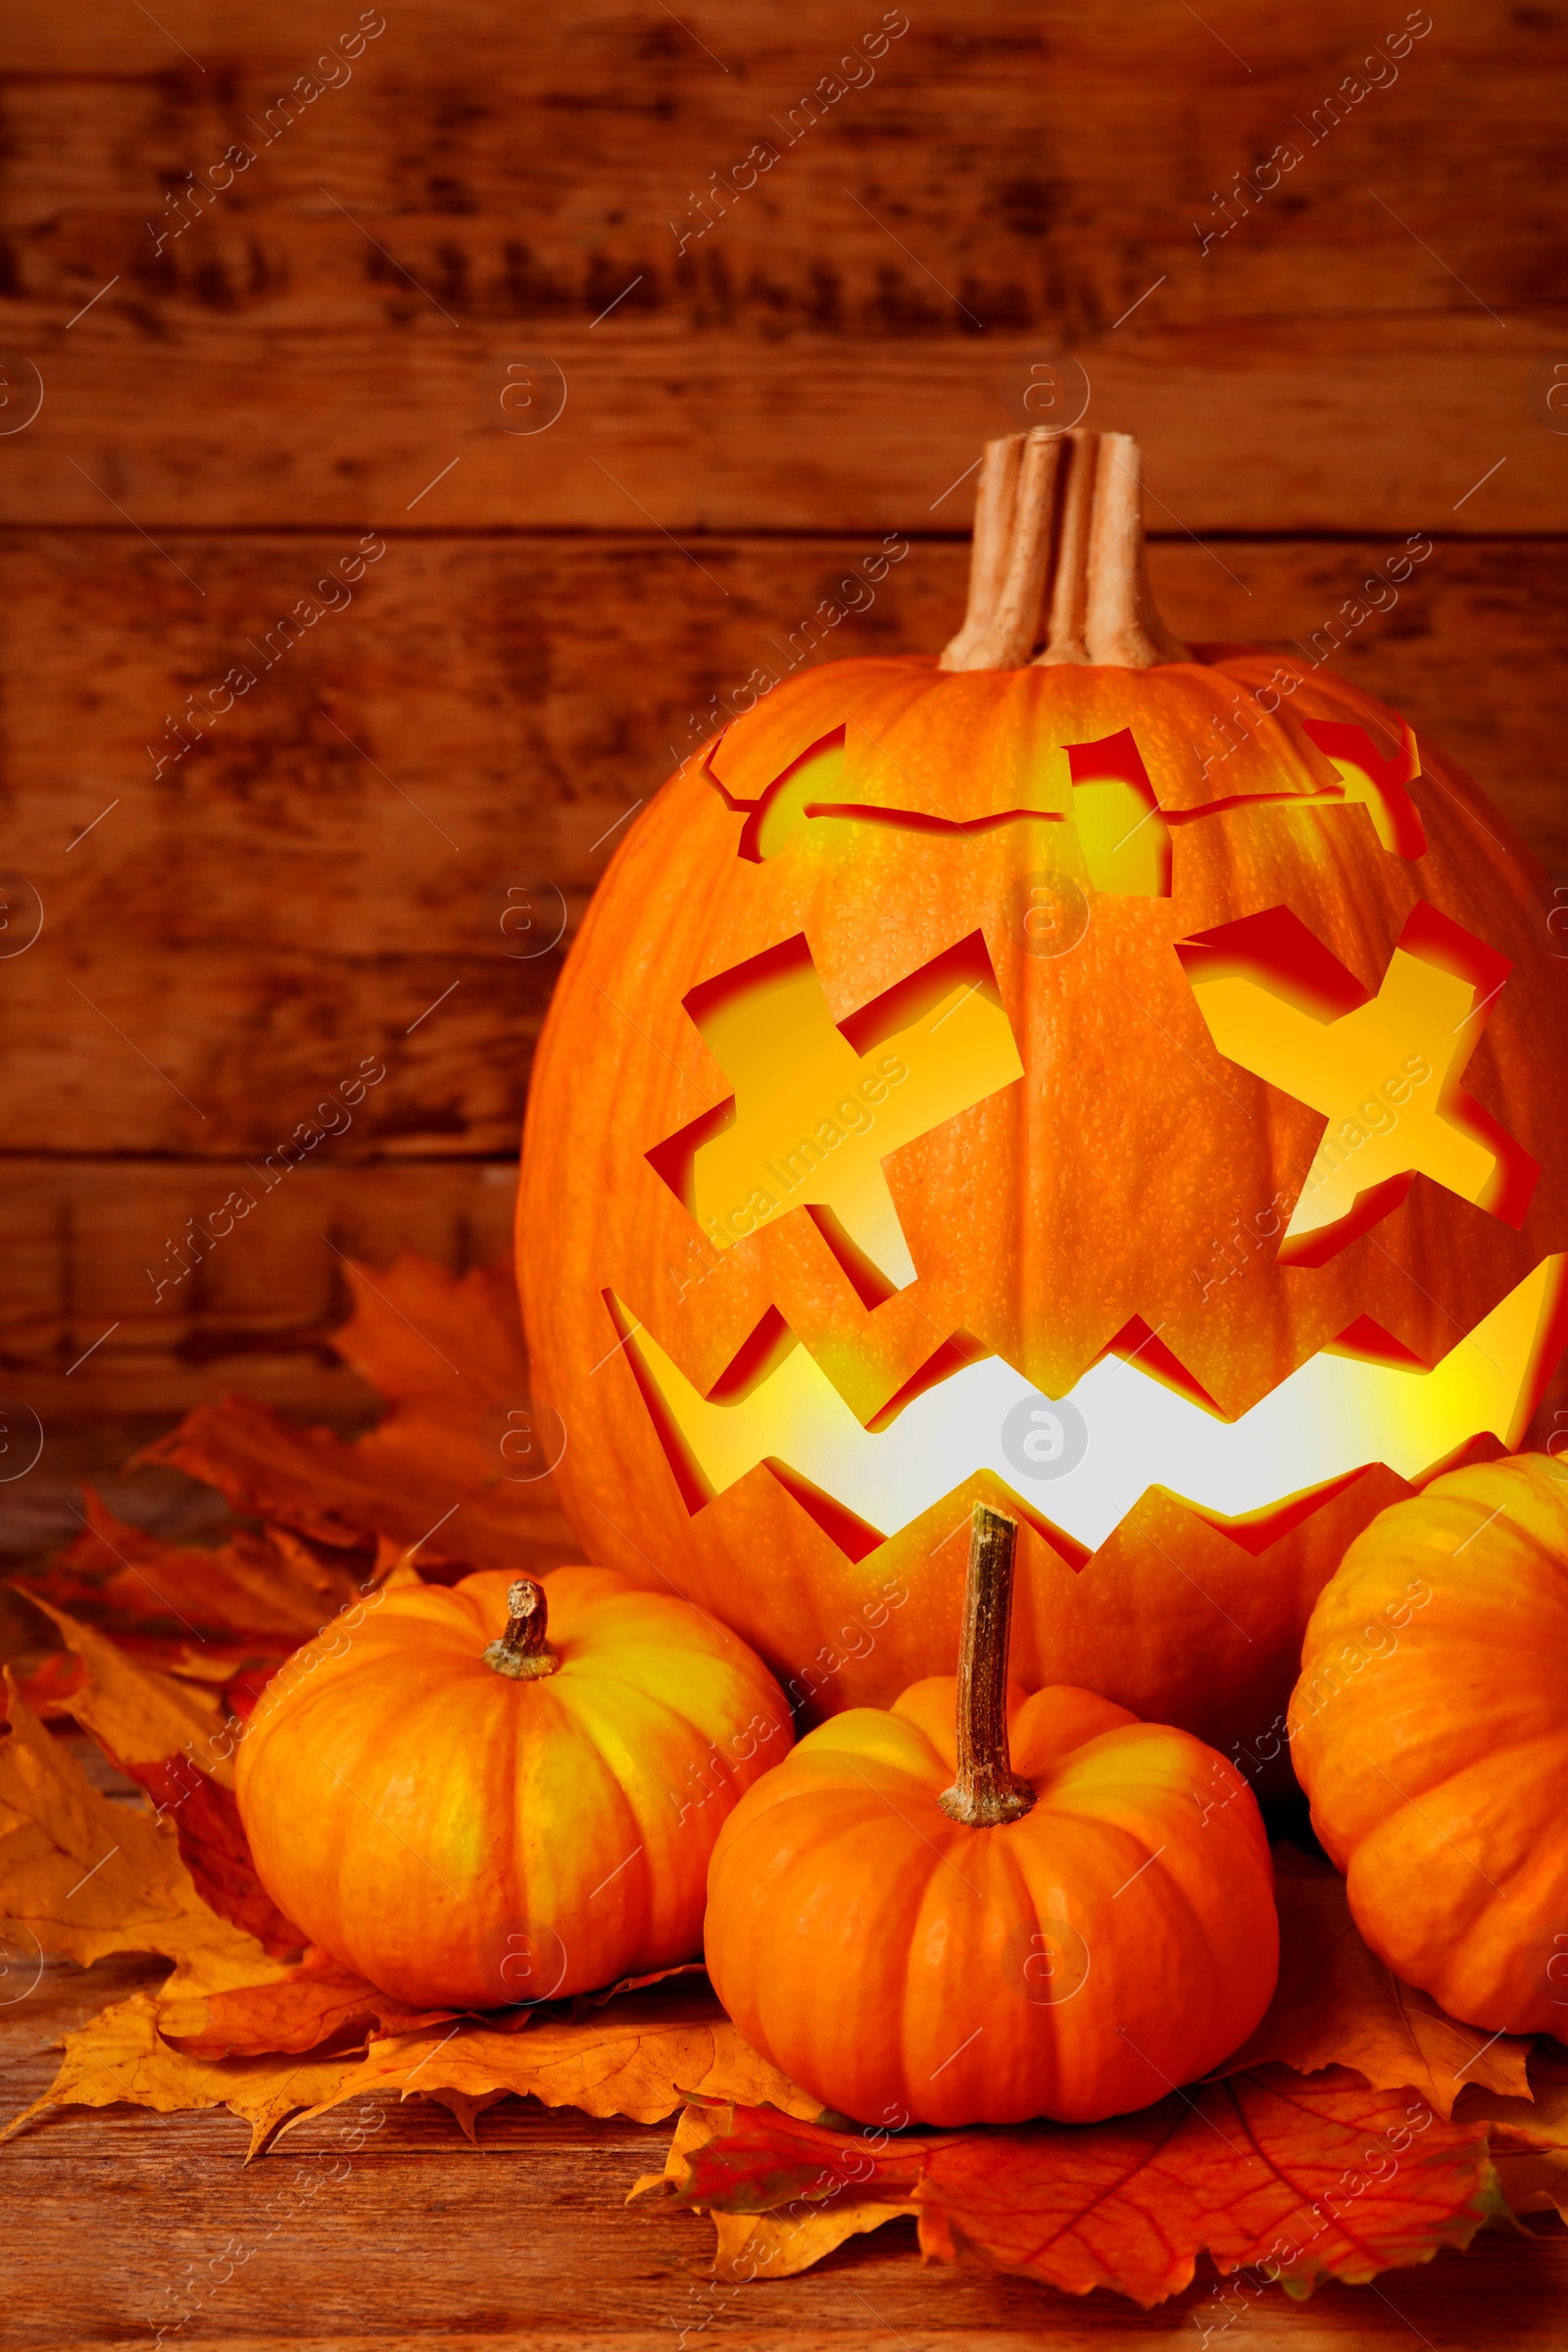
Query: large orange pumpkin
952, 1914
1106, 1084
1430, 1729
504, 1791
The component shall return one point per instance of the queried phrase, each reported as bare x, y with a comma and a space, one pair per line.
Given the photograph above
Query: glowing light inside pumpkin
1082, 1462
813, 1117
1383, 1069
1375, 780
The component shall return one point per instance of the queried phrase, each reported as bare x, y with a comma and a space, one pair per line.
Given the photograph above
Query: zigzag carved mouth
1079, 1463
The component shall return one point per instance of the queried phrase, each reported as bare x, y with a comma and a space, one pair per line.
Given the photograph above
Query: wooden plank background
243, 383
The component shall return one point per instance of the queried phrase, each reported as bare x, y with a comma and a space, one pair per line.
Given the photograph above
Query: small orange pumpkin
1430, 1729
1071, 1939
475, 1802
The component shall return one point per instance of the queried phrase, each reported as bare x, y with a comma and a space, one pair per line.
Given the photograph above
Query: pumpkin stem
522, 1652
1058, 522
987, 1791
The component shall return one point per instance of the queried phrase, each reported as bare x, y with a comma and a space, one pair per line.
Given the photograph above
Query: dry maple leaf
315, 2002
1529, 2137
1301, 2178
215, 1849
84, 1876
777, 2244
641, 2056
1335, 2004
120, 2058
447, 1352
245, 1591
137, 1715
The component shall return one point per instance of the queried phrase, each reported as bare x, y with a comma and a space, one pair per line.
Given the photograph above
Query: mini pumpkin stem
522, 1652
1058, 520
987, 1790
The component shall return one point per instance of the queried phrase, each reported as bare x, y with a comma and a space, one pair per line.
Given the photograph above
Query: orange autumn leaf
245, 1592
215, 1849
1335, 2004
776, 2244
1298, 2180
446, 1353
318, 2000
641, 2055
137, 1715
122, 2059
1529, 2137
314, 2003
84, 1877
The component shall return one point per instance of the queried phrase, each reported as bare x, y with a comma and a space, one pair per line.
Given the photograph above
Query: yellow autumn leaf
640, 2056
119, 2057
1337, 2004
85, 1877
134, 1713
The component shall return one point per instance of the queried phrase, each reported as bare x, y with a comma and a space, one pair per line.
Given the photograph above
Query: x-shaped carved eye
1383, 1069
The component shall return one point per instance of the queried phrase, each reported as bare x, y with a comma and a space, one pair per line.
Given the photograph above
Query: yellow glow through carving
1382, 1076
1126, 841
1334, 1414
814, 1119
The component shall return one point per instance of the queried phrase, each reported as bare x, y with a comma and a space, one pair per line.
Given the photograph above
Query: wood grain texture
1003, 184
115, 2222
83, 1329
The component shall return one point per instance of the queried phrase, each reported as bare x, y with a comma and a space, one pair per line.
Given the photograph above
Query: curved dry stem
987, 1791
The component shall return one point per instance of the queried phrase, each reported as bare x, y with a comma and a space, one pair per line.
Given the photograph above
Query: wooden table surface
115, 2221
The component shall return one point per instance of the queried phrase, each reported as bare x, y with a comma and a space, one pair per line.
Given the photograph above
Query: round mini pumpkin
1430, 1729
1081, 1921
502, 1790
999, 1078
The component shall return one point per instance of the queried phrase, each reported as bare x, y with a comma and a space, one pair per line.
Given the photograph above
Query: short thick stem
987, 1791
521, 1652
1058, 550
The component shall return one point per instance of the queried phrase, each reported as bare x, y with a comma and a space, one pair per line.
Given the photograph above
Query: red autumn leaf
439, 1473
215, 1849
245, 1598
1301, 2178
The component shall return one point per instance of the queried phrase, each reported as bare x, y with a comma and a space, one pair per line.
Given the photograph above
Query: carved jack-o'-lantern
1125, 1085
